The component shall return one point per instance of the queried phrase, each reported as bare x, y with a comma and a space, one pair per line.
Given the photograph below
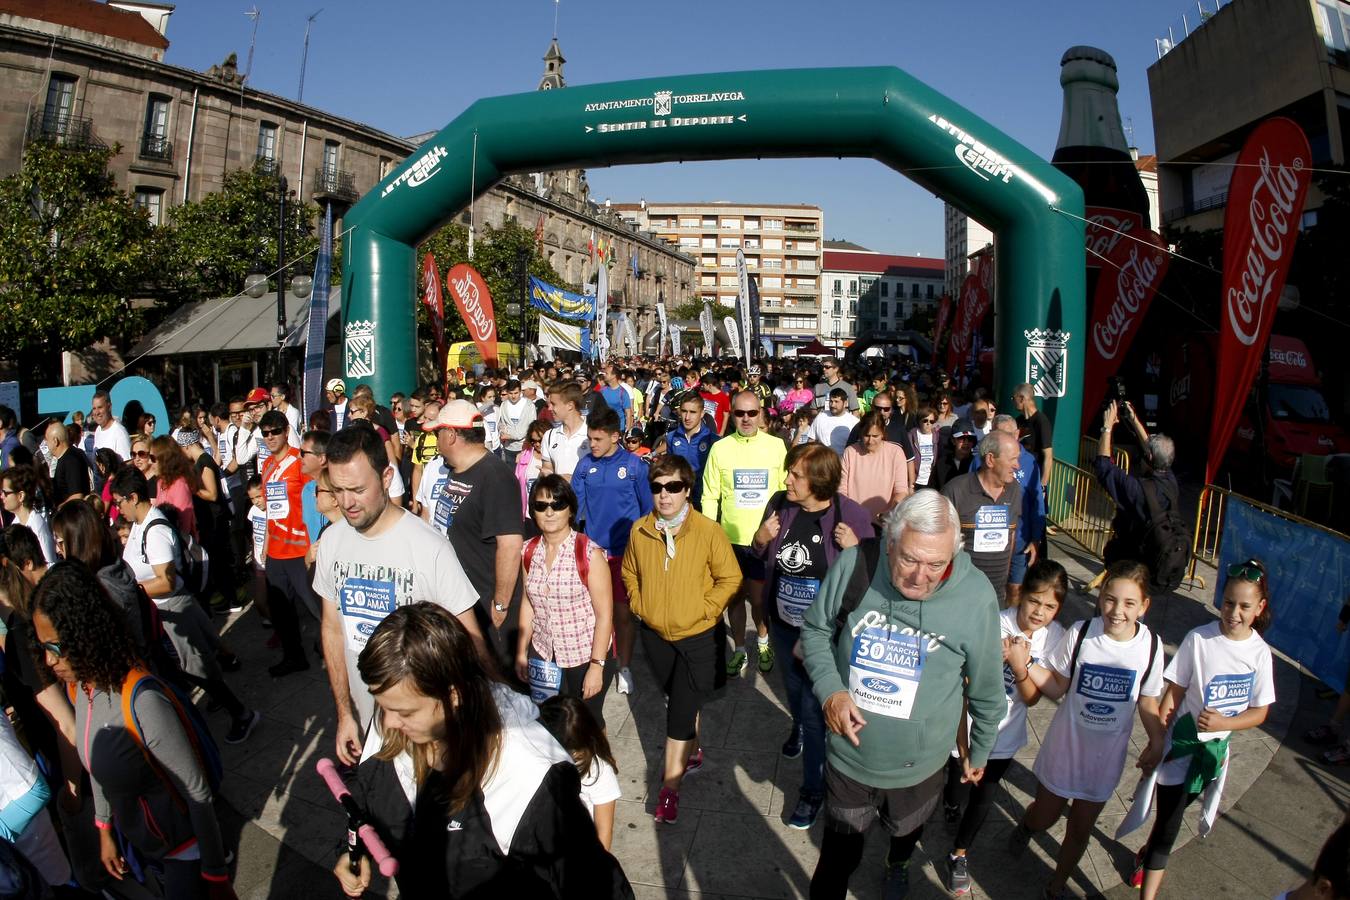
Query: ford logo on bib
1099, 709
880, 685
367, 628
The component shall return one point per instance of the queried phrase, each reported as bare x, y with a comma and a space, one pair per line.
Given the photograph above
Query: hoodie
956, 631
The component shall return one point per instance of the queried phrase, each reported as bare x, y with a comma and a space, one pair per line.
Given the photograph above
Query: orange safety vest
283, 483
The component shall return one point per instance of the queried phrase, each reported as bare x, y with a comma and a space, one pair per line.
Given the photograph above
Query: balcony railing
267, 165
1196, 206
63, 130
156, 148
336, 183
796, 228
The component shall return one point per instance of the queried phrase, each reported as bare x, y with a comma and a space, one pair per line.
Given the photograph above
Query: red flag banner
431, 296
1132, 268
1265, 204
971, 306
943, 314
475, 306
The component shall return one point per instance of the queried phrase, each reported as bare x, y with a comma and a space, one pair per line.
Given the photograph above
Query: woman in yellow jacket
681, 574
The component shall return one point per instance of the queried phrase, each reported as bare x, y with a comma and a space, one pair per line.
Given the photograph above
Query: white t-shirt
114, 436
515, 418
368, 578
832, 431
37, 523
1012, 730
429, 488
1084, 750
563, 450
599, 786
257, 520
293, 419
924, 447
1217, 673
396, 486
339, 415
491, 439
160, 548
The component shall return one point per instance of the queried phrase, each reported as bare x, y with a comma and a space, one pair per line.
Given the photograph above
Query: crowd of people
476, 563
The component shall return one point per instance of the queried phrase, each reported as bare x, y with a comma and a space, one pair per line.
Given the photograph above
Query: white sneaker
625, 681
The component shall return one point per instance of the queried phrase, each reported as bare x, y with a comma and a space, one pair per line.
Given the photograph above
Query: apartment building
866, 291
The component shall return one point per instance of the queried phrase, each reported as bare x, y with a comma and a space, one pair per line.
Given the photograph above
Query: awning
815, 348
233, 325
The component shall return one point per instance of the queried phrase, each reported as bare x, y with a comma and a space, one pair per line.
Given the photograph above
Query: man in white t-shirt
109, 432
567, 441
378, 558
832, 427
514, 417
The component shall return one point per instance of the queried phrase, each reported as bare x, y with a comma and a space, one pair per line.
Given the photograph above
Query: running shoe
792, 747
1018, 841
808, 808
624, 681
765, 657
737, 664
1338, 755
1322, 735
667, 806
240, 729
896, 884
694, 763
958, 875
1137, 873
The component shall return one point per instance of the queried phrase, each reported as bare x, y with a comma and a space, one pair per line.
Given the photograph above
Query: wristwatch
498, 607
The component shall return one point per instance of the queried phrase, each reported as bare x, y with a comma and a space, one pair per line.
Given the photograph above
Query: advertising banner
435, 303
705, 324
559, 303
600, 348
564, 335
755, 337
674, 340
733, 336
1265, 205
944, 315
661, 327
474, 301
971, 305
317, 332
742, 307
1307, 570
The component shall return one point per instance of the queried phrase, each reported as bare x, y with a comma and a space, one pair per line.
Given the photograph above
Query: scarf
668, 527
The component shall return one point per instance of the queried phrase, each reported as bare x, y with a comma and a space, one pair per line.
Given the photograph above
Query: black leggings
978, 798
840, 854
218, 690
1172, 800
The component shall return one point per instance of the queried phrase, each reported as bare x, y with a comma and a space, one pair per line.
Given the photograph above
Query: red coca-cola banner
1106, 228
943, 314
1132, 268
973, 303
475, 306
431, 296
1265, 204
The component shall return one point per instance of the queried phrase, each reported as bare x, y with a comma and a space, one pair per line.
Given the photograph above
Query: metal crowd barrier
1209, 513
1087, 450
1079, 506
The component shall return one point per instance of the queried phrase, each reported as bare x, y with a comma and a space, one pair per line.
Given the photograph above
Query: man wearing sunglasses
743, 470
287, 543
833, 379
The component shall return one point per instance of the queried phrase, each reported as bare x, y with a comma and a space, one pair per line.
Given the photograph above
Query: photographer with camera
1148, 526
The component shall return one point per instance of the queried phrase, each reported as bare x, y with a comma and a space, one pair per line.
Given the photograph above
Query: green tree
74, 250
213, 243
689, 309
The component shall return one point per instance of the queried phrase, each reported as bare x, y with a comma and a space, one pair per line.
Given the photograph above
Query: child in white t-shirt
571, 723
257, 522
1220, 681
1106, 669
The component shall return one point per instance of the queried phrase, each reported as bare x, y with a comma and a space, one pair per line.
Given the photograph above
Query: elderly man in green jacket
891, 674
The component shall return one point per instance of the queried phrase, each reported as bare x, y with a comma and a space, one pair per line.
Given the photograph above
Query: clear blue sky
408, 66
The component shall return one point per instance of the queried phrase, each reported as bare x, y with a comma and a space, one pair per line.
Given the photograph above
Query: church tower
566, 182
553, 68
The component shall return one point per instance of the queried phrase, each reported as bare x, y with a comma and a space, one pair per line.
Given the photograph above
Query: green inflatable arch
881, 113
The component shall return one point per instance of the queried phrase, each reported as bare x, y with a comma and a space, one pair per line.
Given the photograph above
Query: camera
1115, 391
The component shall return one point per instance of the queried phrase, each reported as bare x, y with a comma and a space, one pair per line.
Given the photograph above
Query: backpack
580, 549
1082, 636
864, 565
198, 734
190, 558
1165, 545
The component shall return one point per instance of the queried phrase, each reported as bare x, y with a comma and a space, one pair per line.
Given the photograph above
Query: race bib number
263, 452
364, 604
1105, 693
259, 540
751, 487
795, 595
884, 672
1229, 694
991, 529
545, 679
278, 501
446, 505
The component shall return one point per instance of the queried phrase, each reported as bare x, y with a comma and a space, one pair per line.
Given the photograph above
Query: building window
853, 307
386, 166
267, 141
885, 306
152, 201
914, 290
852, 328
58, 115
154, 140
885, 289
773, 224
330, 156
853, 288
838, 288
929, 292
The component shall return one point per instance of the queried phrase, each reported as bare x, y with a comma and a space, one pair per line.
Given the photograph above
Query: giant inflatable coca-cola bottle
1126, 261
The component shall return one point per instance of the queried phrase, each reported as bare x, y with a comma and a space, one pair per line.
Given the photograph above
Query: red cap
258, 395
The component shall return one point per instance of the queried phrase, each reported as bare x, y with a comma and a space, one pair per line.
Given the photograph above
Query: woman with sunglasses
800, 395
154, 789
923, 438
1220, 681
20, 491
146, 425
946, 414
567, 619
681, 574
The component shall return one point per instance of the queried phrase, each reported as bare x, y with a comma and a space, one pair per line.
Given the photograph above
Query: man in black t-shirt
479, 511
1035, 431
71, 478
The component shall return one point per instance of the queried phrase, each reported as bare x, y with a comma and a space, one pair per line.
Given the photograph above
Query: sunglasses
882, 408
7, 493
141, 454
273, 432
632, 440
930, 421
1248, 571
555, 505
744, 413
53, 648
304, 452
670, 487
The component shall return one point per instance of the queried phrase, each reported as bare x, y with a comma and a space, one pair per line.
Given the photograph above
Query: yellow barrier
1079, 507
1208, 538
1087, 451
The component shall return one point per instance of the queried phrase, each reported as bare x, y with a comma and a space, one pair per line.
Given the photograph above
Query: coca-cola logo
1136, 280
1106, 228
474, 301
1181, 389
1269, 217
1292, 358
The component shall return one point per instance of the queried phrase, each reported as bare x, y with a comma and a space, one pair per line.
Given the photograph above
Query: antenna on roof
255, 14
304, 57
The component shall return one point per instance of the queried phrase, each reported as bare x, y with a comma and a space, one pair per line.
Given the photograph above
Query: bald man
71, 478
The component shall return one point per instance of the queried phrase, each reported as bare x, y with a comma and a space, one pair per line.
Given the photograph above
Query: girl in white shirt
1106, 668
571, 723
1220, 681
